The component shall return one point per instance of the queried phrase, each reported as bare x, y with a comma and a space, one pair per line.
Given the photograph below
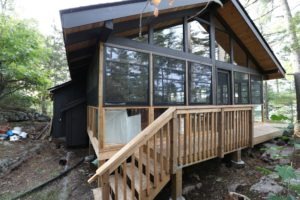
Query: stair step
112, 184
137, 178
97, 192
151, 161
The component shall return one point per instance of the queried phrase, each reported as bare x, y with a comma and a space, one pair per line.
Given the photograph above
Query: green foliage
275, 197
285, 172
279, 117
263, 170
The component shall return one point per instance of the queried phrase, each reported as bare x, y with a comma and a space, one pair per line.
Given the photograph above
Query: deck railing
180, 137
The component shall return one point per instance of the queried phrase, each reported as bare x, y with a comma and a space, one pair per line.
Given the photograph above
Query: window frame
189, 85
184, 83
248, 88
261, 89
115, 104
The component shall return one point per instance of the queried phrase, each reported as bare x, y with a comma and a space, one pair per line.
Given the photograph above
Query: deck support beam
176, 184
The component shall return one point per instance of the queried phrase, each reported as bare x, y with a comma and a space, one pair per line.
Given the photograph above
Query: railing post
105, 186
176, 173
251, 127
221, 134
174, 145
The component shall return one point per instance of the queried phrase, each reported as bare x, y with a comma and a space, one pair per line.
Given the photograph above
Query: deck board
267, 131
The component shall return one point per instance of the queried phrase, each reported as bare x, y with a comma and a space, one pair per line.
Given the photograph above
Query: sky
46, 12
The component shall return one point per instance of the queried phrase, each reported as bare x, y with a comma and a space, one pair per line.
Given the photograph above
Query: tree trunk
297, 88
296, 52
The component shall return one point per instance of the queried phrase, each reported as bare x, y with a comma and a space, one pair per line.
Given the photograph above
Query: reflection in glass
169, 78
126, 76
223, 88
256, 90
241, 88
200, 83
222, 46
171, 37
239, 55
199, 35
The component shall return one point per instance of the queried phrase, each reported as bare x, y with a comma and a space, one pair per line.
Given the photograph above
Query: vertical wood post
221, 134
101, 113
251, 127
176, 184
105, 186
174, 145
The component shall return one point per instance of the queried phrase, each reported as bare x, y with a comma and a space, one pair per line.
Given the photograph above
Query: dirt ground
28, 163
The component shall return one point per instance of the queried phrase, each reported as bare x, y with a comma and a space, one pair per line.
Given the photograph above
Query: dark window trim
116, 104
230, 101
189, 86
249, 97
184, 84
261, 89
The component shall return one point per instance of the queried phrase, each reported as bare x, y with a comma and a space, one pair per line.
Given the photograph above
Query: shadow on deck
267, 131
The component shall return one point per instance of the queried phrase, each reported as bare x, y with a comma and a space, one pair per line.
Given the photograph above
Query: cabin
166, 92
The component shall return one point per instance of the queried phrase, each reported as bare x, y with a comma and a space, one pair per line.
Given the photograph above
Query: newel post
176, 173
105, 186
221, 132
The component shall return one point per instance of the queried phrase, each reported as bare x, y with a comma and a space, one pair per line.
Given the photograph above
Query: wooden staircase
141, 177
178, 138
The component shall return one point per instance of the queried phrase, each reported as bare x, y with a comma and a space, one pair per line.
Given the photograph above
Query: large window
126, 76
241, 88
256, 90
239, 55
169, 79
171, 37
223, 47
200, 84
199, 38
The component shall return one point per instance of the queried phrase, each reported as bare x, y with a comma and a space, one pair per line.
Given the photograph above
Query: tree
22, 52
295, 49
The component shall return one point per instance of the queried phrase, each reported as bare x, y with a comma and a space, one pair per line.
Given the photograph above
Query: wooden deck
267, 131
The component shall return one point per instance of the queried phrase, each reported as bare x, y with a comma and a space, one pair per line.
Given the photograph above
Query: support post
221, 134
251, 127
176, 182
174, 145
105, 186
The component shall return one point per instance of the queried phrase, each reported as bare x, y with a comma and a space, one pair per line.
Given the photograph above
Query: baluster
132, 177
199, 138
168, 147
105, 186
124, 181
179, 140
204, 136
148, 168
185, 140
194, 137
212, 133
161, 159
208, 135
141, 171
116, 184
155, 162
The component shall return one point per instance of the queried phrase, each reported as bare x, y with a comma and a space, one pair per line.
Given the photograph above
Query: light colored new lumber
113, 179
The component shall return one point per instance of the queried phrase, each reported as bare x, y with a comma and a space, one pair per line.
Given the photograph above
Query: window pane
241, 88
199, 43
169, 78
239, 55
256, 90
200, 83
171, 37
222, 46
223, 88
126, 76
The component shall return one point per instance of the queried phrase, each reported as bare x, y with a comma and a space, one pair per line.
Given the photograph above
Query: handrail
142, 138
134, 144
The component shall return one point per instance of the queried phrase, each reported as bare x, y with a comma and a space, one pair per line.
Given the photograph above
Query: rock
266, 185
18, 116
187, 189
233, 187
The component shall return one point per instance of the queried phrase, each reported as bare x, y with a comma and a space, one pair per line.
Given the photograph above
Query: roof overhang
84, 27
